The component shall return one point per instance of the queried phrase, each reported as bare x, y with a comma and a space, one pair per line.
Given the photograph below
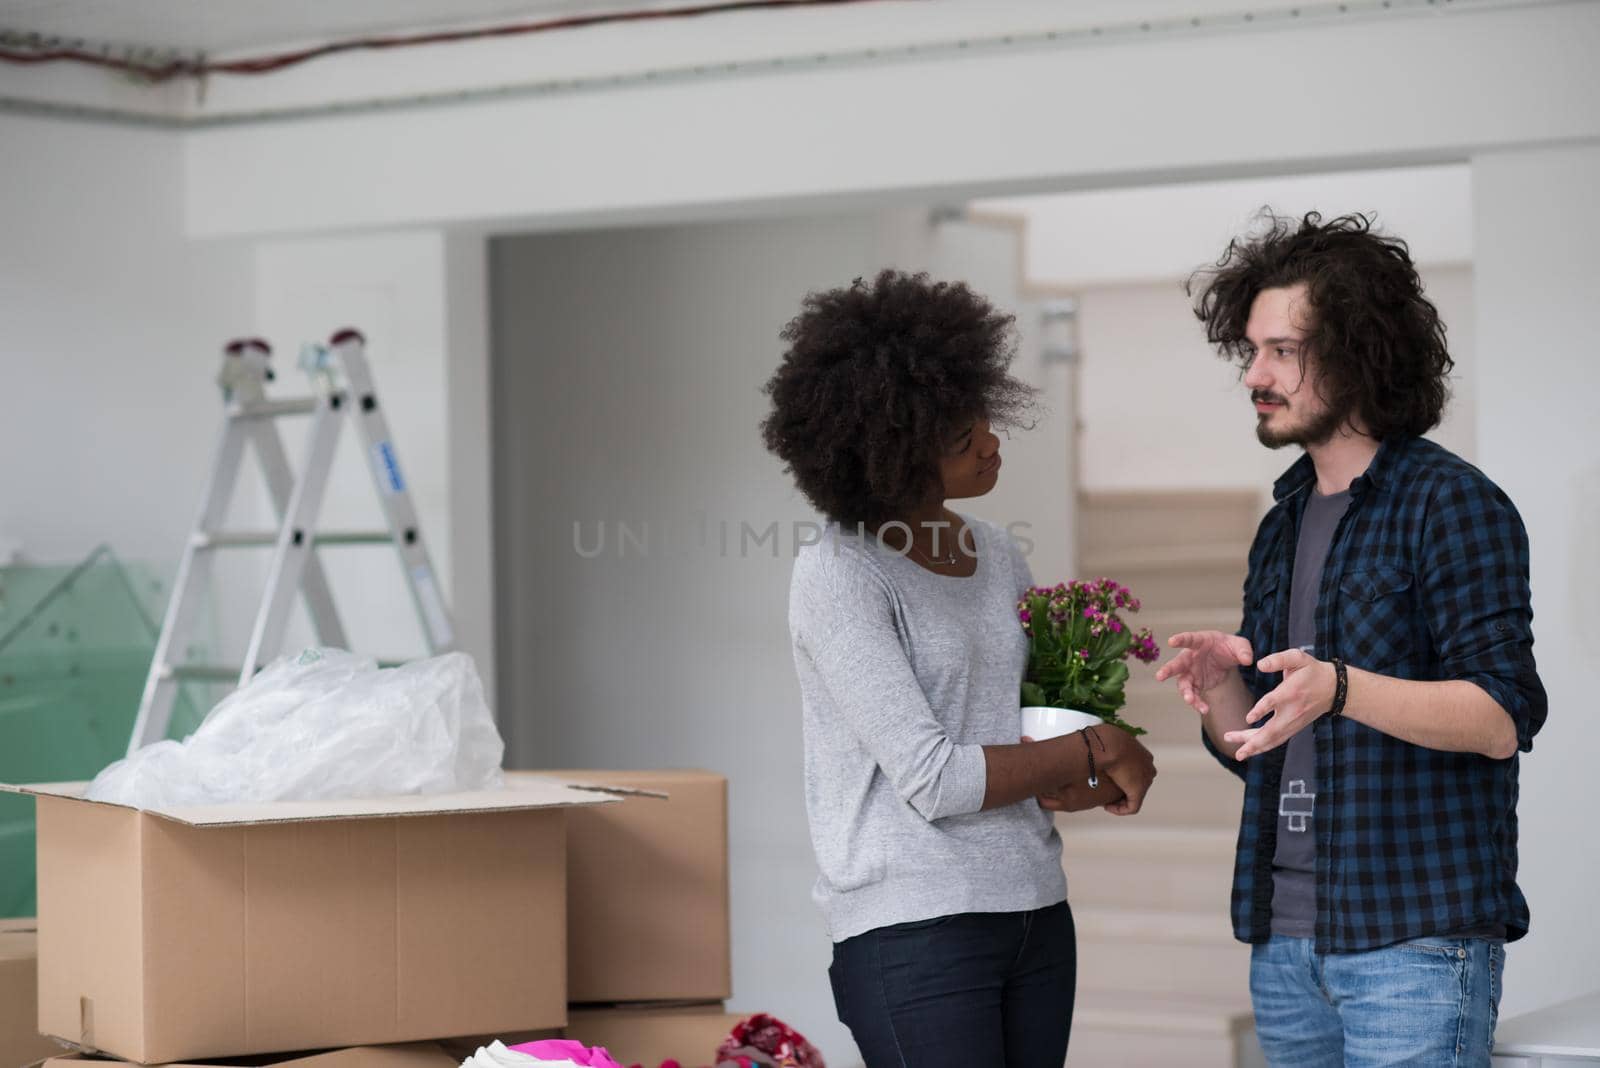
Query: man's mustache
1261, 396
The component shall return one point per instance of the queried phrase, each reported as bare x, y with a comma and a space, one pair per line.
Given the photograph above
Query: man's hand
1208, 657
1207, 672
1305, 693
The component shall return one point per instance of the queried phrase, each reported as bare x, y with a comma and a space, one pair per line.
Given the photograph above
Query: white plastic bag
324, 724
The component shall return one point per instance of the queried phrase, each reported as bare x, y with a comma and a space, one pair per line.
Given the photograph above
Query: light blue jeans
1427, 1003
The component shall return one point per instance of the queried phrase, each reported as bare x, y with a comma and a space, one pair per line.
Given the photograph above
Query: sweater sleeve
845, 620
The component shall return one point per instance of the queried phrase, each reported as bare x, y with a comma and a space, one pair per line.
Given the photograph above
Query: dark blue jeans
977, 990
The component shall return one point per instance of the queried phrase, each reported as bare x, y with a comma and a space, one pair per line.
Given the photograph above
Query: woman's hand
1127, 763
1077, 796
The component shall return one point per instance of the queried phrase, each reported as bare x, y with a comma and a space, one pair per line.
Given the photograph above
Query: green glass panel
75, 647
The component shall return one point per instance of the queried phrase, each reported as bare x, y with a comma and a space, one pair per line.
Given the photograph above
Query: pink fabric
565, 1049
767, 1040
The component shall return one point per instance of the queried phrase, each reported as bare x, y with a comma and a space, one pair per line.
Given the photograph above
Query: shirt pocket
1375, 616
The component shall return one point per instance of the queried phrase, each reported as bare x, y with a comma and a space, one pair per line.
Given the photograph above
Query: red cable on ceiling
199, 68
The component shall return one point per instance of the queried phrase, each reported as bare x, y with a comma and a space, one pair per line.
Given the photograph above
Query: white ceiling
223, 26
254, 26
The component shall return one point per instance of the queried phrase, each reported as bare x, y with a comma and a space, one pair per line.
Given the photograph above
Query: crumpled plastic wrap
324, 724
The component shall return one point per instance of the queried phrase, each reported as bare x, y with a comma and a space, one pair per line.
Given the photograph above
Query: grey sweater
904, 676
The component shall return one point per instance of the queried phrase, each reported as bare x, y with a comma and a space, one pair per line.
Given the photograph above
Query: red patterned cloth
763, 1041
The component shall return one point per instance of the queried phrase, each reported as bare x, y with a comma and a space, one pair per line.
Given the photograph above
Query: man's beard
1318, 431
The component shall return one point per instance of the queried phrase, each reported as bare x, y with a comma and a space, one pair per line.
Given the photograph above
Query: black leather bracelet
1094, 776
1341, 687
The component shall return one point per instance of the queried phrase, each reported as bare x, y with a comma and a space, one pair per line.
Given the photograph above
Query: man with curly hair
940, 874
1382, 684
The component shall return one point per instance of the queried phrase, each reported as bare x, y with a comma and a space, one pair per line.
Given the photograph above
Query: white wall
627, 375
469, 480
1275, 99
392, 287
1161, 410
1133, 235
111, 328
1036, 490
1536, 280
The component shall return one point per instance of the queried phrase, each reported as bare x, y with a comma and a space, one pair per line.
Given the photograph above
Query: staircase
1161, 981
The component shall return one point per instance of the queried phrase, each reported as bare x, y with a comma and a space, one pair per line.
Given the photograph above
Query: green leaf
1077, 696
1033, 694
1078, 631
1113, 676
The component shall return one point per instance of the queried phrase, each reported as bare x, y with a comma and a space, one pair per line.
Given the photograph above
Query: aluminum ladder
342, 387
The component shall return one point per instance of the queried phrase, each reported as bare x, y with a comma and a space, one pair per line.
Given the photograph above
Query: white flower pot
1040, 722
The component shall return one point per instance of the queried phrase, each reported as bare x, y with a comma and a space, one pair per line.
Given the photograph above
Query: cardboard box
647, 891
414, 1055
20, 1040
464, 1046
218, 930
648, 1037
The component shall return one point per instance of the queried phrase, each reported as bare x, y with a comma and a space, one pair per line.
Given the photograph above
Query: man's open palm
1203, 662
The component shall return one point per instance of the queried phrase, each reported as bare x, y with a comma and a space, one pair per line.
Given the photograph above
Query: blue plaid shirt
1427, 578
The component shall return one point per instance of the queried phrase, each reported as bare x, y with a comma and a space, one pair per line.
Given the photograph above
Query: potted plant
1078, 646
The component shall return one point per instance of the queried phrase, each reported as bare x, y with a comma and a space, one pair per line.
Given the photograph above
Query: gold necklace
949, 561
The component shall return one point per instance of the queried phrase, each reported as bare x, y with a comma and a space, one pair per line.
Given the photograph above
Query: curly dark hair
1378, 343
877, 378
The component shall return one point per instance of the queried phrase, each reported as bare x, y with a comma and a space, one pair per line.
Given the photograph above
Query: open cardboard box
211, 931
20, 1041
688, 1034
412, 1055
647, 885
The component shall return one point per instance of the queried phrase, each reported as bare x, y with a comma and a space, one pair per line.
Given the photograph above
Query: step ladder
343, 387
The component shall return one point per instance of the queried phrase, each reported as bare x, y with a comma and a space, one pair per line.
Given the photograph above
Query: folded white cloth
496, 1055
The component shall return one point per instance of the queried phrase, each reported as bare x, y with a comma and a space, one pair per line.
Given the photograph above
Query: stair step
1122, 864
1157, 708
1141, 1029
1191, 790
1162, 517
1178, 579
1161, 927
1165, 623
1178, 556
1149, 950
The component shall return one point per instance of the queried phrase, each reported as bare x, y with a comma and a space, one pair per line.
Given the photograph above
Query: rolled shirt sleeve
1477, 601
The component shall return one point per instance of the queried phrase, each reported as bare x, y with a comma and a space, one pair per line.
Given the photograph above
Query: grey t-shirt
1294, 864
905, 676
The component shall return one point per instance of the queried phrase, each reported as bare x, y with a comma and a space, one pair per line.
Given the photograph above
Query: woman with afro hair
940, 871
